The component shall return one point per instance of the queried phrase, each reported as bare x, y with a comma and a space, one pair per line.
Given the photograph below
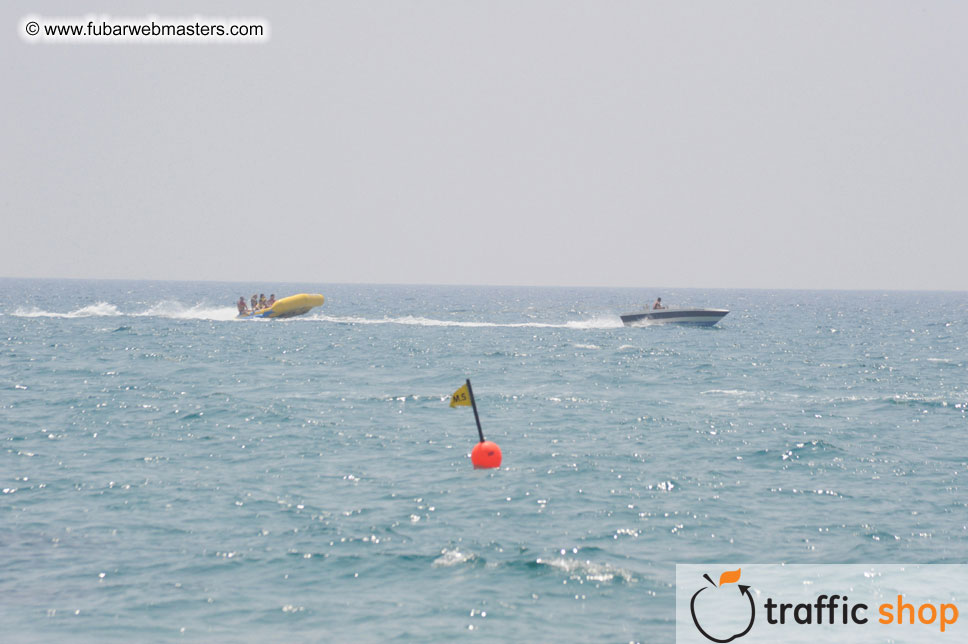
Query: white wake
178, 311
604, 322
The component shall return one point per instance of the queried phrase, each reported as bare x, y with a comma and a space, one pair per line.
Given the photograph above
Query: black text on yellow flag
461, 397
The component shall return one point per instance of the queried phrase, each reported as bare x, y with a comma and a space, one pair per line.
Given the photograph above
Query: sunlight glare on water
168, 469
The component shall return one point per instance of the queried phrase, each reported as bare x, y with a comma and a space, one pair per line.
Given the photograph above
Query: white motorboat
698, 317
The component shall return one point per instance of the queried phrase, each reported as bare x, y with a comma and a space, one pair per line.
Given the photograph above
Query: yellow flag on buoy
461, 398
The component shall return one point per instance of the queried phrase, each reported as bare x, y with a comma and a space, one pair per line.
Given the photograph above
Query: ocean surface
169, 473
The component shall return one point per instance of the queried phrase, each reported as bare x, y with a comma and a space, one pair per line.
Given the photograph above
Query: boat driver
658, 304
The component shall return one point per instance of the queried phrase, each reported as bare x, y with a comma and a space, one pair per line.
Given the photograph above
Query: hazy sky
691, 144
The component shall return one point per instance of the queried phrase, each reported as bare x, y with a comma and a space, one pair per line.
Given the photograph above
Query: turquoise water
170, 473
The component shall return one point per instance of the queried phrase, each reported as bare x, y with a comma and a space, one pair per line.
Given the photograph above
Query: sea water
171, 473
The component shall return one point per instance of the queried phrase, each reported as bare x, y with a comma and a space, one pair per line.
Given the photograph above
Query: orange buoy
486, 455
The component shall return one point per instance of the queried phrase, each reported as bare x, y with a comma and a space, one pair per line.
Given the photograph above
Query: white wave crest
453, 557
586, 570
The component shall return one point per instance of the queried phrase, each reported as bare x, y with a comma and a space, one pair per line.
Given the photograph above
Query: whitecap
453, 557
585, 570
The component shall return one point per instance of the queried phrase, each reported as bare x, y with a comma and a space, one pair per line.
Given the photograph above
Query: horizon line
454, 285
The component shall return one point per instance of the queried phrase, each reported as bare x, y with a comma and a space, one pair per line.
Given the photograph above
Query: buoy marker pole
477, 418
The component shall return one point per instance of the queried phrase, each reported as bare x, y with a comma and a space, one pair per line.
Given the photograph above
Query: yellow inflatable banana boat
287, 307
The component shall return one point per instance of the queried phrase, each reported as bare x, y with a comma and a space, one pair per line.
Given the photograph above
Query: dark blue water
168, 472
